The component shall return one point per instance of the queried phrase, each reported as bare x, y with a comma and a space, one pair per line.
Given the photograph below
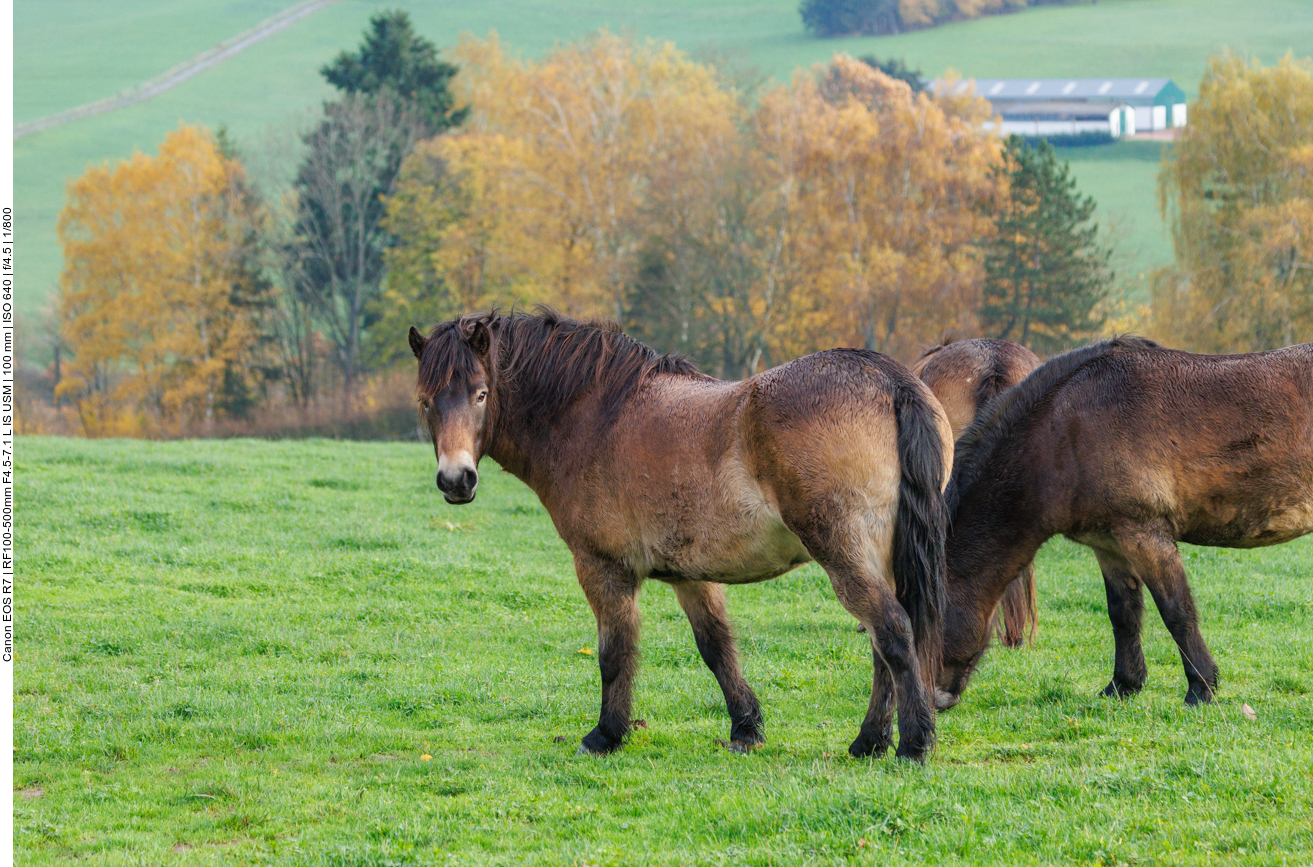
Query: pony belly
756, 553
765, 560
1292, 523
1281, 526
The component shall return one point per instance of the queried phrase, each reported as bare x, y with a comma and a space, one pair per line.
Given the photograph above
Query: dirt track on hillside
180, 73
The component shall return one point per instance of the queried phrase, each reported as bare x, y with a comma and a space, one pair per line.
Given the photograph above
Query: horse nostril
469, 479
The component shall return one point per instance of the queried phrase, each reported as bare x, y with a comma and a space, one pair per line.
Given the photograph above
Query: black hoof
913, 754
595, 743
1198, 694
863, 747
743, 748
747, 734
1119, 690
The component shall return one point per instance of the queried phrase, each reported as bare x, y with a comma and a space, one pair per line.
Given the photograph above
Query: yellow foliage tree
550, 176
1239, 192
624, 180
893, 193
157, 300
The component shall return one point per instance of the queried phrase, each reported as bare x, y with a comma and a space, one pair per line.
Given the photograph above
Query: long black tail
922, 525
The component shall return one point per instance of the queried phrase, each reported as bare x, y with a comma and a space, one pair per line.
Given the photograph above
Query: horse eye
483, 395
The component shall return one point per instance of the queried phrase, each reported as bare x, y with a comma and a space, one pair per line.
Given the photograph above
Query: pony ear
417, 341
477, 336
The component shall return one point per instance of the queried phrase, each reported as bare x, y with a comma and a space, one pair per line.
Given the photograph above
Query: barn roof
1142, 91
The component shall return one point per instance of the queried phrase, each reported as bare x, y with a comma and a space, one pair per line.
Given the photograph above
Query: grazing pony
650, 469
1128, 447
966, 375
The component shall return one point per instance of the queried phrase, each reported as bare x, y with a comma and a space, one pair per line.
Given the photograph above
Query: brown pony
1128, 448
966, 375
649, 469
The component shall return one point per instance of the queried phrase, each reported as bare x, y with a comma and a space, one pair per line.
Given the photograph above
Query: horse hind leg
1157, 562
1126, 611
704, 604
896, 669
877, 732
897, 676
612, 592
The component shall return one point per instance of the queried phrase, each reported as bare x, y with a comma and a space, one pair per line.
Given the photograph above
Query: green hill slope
73, 51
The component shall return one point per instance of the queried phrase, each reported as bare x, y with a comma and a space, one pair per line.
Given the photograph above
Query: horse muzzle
945, 700
459, 487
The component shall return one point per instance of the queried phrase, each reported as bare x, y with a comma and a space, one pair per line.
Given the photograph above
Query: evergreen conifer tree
394, 58
395, 93
1046, 270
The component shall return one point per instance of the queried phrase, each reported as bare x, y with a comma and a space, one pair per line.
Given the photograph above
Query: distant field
1123, 179
70, 52
296, 654
73, 51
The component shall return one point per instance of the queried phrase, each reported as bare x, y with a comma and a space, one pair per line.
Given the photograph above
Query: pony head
455, 391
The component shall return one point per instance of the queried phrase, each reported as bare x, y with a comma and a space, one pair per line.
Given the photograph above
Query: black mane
545, 361
992, 426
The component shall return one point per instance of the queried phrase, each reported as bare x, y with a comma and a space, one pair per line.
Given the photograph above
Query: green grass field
294, 653
71, 51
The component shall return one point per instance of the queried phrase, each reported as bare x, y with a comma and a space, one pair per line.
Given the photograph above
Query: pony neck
509, 443
523, 442
994, 534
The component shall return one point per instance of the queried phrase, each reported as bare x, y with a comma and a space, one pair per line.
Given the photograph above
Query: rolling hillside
68, 52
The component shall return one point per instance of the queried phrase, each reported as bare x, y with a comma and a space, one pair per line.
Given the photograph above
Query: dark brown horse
966, 375
649, 469
1128, 448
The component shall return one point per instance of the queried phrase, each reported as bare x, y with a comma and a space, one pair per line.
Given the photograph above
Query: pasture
68, 52
295, 653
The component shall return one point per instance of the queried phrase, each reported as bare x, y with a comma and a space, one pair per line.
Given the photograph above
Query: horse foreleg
704, 603
612, 592
1126, 611
1158, 563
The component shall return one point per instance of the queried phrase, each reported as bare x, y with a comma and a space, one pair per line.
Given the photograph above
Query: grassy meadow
294, 653
68, 52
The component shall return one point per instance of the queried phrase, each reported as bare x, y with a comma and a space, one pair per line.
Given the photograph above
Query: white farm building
1070, 106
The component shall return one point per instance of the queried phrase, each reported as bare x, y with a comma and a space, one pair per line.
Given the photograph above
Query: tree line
711, 214
881, 17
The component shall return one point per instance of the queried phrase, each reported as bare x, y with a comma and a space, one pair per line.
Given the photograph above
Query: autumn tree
714, 277
876, 17
892, 193
622, 179
161, 294
846, 212
554, 169
1046, 269
1238, 190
